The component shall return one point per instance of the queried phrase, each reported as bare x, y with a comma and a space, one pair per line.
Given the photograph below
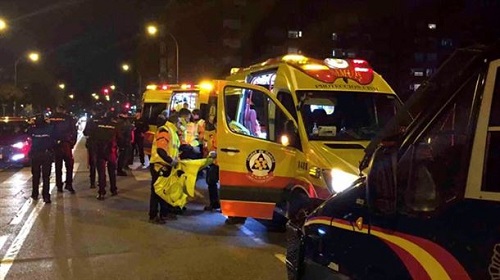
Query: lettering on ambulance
494, 268
346, 86
423, 258
353, 75
302, 165
260, 165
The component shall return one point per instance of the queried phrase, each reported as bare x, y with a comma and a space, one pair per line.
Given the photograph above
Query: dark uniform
141, 127
65, 131
91, 148
41, 155
105, 136
125, 128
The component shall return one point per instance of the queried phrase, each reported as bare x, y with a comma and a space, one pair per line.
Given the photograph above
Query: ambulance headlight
338, 180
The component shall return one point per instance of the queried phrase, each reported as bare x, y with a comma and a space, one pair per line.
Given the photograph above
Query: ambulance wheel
297, 207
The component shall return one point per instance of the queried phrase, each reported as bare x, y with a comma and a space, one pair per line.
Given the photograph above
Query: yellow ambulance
170, 97
292, 131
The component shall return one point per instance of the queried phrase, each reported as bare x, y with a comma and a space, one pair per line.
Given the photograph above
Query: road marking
3, 239
281, 257
250, 234
18, 242
20, 214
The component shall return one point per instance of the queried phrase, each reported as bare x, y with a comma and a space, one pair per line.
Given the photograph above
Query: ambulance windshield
346, 116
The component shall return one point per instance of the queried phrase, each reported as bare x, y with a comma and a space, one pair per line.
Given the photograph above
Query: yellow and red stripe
423, 258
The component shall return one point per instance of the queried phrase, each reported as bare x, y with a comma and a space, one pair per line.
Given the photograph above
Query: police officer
90, 145
42, 155
164, 156
141, 127
106, 135
125, 128
65, 133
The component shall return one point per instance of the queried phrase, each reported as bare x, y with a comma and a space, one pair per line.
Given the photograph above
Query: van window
492, 160
151, 111
432, 172
251, 113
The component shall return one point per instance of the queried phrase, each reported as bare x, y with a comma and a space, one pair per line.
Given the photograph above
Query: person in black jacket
66, 134
91, 124
41, 155
141, 127
125, 128
106, 135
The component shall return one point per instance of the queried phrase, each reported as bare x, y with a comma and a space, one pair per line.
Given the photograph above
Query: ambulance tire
297, 207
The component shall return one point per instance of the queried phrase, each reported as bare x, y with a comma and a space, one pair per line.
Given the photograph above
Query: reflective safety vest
173, 144
191, 134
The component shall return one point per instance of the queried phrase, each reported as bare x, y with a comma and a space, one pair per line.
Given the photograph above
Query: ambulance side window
432, 169
492, 154
251, 113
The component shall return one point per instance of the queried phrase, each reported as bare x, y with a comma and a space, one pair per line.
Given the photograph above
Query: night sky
82, 42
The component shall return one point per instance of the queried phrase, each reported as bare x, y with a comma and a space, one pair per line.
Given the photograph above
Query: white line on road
3, 239
281, 257
20, 214
250, 234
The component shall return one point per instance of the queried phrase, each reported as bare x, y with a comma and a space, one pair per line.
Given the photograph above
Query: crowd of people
113, 139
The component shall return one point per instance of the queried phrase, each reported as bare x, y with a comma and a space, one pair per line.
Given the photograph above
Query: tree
9, 97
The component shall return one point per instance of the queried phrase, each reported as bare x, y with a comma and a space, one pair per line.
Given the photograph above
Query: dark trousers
155, 201
41, 164
64, 153
213, 191
106, 162
92, 162
139, 146
123, 157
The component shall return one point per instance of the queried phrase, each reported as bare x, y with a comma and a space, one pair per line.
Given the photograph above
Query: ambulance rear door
256, 160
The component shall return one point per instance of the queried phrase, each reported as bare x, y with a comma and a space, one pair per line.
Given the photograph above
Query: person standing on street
164, 157
41, 155
141, 127
105, 137
125, 128
90, 145
66, 134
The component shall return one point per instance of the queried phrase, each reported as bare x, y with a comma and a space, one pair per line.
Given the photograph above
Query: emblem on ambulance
260, 165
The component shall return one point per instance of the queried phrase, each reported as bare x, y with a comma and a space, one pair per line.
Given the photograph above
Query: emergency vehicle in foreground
158, 98
429, 208
293, 129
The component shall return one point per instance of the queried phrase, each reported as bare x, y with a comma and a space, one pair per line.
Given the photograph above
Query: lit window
294, 34
334, 36
432, 26
417, 72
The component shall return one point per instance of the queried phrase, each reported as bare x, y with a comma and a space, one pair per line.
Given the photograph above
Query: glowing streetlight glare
62, 86
125, 67
112, 87
107, 97
3, 25
71, 96
94, 94
152, 30
33, 56
96, 97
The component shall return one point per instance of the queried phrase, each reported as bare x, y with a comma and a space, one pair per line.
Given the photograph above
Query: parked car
15, 144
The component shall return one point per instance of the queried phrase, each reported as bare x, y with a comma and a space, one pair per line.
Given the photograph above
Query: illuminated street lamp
112, 87
62, 86
152, 31
125, 67
71, 96
32, 56
3, 25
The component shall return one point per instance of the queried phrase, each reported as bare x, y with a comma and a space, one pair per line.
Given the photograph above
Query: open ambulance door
257, 144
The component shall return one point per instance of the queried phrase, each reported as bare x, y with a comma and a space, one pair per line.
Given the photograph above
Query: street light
33, 56
125, 67
71, 96
112, 87
3, 25
62, 86
152, 31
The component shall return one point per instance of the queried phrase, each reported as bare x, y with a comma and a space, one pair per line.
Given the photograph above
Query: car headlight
338, 180
18, 145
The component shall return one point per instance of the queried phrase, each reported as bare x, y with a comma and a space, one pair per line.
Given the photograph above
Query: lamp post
152, 31
33, 56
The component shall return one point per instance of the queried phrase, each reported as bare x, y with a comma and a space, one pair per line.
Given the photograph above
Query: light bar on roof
336, 63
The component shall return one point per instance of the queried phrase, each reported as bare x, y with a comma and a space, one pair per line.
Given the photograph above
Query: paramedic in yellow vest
199, 130
190, 146
164, 156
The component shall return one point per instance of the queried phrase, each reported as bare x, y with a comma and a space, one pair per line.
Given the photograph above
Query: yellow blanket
181, 183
